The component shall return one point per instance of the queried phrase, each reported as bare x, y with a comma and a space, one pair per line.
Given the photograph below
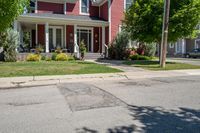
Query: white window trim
54, 34
80, 8
92, 35
196, 45
125, 4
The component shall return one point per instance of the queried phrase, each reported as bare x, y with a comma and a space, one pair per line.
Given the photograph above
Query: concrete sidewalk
16, 82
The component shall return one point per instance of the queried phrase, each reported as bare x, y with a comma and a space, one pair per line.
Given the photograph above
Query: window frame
80, 7
125, 4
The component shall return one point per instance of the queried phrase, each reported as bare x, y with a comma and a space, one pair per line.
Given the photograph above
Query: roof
62, 17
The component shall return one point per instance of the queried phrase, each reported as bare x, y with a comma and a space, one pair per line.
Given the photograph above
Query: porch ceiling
62, 19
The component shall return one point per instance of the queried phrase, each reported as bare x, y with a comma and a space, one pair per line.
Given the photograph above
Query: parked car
194, 54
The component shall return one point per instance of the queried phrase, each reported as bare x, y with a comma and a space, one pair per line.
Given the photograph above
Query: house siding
117, 14
41, 34
46, 7
96, 39
72, 8
104, 11
93, 10
70, 37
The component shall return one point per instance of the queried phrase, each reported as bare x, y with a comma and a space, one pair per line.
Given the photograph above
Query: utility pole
165, 34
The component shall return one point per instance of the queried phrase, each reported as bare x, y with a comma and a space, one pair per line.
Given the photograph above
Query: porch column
20, 34
76, 48
36, 34
47, 37
103, 39
65, 33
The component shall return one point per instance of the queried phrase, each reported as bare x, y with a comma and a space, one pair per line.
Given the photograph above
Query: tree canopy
143, 20
9, 10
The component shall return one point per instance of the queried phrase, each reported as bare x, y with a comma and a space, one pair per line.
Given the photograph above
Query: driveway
121, 106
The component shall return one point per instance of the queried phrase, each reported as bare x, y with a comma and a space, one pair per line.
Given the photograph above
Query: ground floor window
197, 43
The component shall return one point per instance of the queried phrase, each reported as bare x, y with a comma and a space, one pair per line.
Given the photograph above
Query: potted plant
82, 49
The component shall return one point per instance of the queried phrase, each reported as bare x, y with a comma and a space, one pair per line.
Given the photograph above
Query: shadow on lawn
158, 120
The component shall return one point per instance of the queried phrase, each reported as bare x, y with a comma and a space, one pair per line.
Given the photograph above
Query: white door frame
54, 34
92, 36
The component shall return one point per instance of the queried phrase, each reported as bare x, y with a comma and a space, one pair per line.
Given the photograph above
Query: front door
85, 35
55, 37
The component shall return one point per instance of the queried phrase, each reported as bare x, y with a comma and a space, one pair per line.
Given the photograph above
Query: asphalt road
156, 105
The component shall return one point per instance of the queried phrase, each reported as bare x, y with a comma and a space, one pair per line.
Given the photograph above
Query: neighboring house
182, 46
65, 23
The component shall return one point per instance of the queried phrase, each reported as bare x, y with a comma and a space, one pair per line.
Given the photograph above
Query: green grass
16, 69
154, 65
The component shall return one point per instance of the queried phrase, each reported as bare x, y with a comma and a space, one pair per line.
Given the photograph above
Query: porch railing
106, 50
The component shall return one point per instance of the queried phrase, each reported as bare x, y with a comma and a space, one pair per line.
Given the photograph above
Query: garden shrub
150, 49
43, 57
82, 49
118, 49
33, 57
61, 57
53, 56
9, 40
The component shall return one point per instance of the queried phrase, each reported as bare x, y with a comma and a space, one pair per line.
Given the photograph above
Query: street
158, 104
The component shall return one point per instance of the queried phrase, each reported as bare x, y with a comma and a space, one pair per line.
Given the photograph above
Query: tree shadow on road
158, 120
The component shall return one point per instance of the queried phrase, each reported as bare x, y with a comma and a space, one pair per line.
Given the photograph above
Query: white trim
54, 28
80, 8
183, 46
65, 8
109, 19
36, 6
36, 34
125, 3
103, 2
92, 35
65, 38
103, 39
75, 37
62, 21
196, 45
47, 38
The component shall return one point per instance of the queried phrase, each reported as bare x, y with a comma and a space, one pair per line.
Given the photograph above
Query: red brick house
64, 23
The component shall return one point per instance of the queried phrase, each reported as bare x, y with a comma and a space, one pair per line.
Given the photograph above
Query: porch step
93, 56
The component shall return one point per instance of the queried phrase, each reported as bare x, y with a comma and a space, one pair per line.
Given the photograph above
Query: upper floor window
128, 3
85, 6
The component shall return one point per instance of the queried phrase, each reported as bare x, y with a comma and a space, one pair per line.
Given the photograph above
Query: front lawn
52, 68
154, 65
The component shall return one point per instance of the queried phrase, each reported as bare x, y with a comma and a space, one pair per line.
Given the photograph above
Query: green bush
118, 49
61, 57
150, 49
9, 41
139, 57
33, 57
43, 57
53, 56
